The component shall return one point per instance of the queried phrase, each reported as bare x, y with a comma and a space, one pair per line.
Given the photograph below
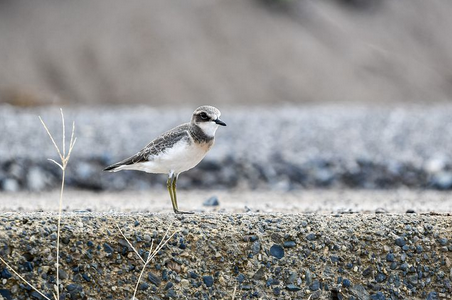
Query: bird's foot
181, 212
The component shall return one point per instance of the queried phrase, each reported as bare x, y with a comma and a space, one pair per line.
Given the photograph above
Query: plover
176, 150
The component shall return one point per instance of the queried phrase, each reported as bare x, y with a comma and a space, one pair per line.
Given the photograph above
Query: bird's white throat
209, 128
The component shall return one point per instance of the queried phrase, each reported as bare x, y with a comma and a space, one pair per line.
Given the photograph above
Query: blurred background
249, 52
331, 94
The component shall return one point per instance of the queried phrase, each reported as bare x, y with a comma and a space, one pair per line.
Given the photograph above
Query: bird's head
208, 119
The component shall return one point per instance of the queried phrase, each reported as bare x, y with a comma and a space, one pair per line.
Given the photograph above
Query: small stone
63, 274
311, 237
10, 185
154, 279
314, 286
256, 247
381, 210
168, 286
193, 275
143, 286
380, 277
259, 274
442, 180
346, 283
36, 179
73, 287
378, 296
212, 201
240, 278
359, 292
293, 288
208, 280
28, 266
432, 296
6, 294
277, 251
367, 272
400, 242
5, 274
108, 248
410, 211
86, 277
289, 244
443, 241
390, 257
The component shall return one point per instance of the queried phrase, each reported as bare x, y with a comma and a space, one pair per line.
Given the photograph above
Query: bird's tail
112, 168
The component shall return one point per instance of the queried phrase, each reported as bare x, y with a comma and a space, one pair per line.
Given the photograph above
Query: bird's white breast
183, 156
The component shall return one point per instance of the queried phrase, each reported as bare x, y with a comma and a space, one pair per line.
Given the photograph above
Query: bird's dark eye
203, 116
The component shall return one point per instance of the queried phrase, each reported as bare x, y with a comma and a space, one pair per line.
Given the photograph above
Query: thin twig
151, 254
64, 161
23, 279
142, 270
64, 133
51, 137
130, 244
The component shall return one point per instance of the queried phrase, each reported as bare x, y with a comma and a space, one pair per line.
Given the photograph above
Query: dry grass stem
24, 280
151, 254
234, 291
64, 161
130, 244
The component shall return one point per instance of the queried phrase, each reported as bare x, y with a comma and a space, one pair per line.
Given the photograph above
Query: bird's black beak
219, 122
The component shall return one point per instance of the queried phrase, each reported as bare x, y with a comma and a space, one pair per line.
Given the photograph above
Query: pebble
154, 279
5, 274
314, 286
378, 296
212, 201
277, 251
289, 244
380, 277
390, 257
208, 280
293, 288
311, 237
10, 185
108, 248
346, 283
400, 242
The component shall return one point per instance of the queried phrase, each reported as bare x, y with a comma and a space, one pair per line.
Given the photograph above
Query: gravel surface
208, 201
262, 256
281, 148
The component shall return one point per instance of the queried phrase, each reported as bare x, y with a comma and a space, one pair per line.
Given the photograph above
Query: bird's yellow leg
169, 185
177, 211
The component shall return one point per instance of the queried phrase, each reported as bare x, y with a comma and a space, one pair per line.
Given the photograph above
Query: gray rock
10, 185
277, 251
442, 180
37, 179
360, 292
212, 201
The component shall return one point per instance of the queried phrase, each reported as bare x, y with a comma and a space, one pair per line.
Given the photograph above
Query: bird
177, 150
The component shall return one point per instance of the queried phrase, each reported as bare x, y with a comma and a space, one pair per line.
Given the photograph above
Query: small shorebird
176, 150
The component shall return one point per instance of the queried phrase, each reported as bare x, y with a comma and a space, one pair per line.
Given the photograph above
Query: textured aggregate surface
281, 148
262, 256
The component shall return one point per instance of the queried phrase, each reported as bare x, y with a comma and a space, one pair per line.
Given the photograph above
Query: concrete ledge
262, 256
